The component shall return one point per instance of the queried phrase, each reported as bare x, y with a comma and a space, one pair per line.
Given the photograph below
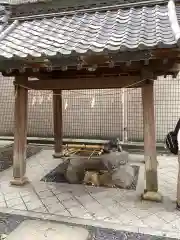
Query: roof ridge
22, 2
34, 14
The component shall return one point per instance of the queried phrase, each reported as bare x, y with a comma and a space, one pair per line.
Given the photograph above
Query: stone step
43, 230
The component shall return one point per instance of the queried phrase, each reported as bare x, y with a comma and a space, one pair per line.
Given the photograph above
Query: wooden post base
152, 196
151, 176
19, 181
58, 155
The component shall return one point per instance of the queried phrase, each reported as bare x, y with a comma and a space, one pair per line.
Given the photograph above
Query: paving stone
26, 192
176, 224
40, 230
45, 194
30, 198
20, 207
58, 207
33, 205
80, 212
64, 213
79, 192
14, 202
40, 210
167, 216
154, 222
50, 200
166, 227
128, 218
64, 196
101, 214
101, 195
116, 210
10, 196
69, 203
58, 191
86, 199
40, 186
140, 213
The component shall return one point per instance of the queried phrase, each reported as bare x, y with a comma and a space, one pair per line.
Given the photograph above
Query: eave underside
158, 61
125, 75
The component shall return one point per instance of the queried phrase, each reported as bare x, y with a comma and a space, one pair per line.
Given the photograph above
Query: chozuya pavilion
88, 44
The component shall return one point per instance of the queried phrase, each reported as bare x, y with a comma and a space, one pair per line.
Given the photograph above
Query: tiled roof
178, 13
121, 30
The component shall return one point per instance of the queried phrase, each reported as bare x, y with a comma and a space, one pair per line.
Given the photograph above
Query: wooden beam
58, 124
82, 83
166, 52
20, 132
150, 143
146, 73
128, 67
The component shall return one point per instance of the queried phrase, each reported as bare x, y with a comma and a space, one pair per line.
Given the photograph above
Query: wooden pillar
20, 134
124, 114
57, 115
151, 191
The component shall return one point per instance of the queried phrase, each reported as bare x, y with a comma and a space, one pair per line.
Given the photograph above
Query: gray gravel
8, 223
107, 234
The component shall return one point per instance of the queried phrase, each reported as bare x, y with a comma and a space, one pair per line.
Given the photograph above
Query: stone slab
41, 230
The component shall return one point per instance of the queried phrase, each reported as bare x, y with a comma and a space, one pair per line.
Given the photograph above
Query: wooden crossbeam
83, 83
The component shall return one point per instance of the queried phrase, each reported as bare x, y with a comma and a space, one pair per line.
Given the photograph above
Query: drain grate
6, 155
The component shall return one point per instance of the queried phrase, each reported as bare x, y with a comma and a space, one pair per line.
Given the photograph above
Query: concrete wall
95, 113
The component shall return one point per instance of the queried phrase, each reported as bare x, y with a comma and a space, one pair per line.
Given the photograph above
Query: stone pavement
41, 230
109, 208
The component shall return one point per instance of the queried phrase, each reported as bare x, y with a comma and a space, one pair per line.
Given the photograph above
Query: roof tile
122, 30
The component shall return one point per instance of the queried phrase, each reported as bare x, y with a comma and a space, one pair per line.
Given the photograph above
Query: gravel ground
107, 234
8, 223
6, 155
